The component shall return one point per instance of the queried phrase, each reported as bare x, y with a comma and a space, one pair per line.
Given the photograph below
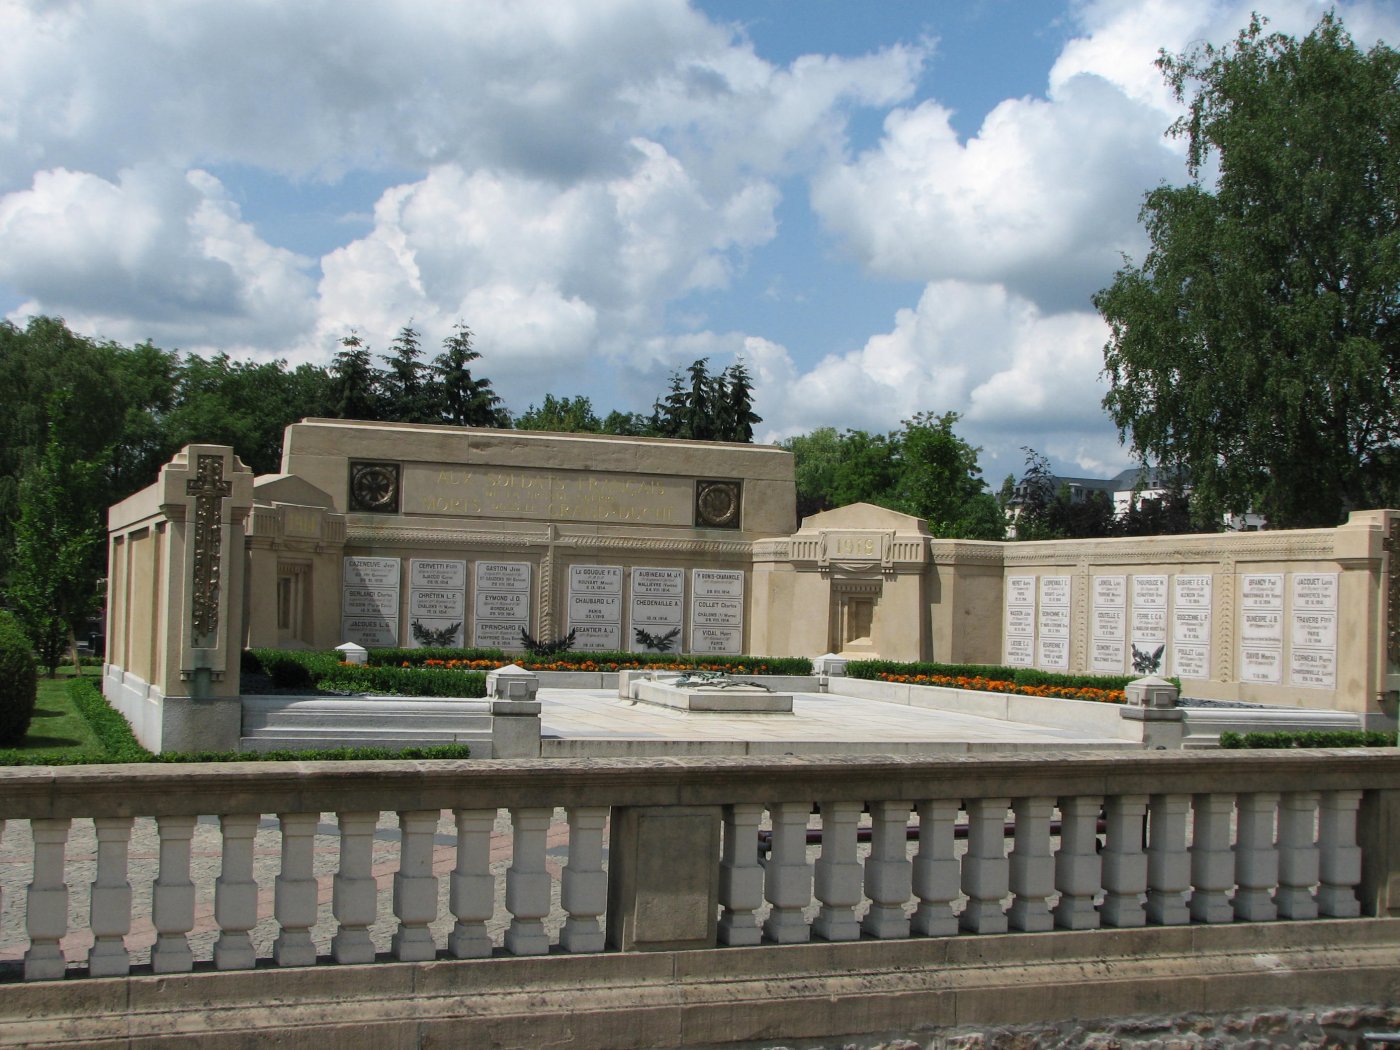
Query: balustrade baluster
888, 873
740, 876
294, 902
236, 893
584, 893
527, 882
1168, 862
1297, 855
1078, 869
1124, 862
936, 869
472, 892
172, 897
985, 871
1212, 863
1256, 857
838, 873
1339, 859
1032, 867
46, 916
109, 913
354, 893
415, 887
787, 883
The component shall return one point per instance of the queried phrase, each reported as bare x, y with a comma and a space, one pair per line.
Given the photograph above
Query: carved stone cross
209, 489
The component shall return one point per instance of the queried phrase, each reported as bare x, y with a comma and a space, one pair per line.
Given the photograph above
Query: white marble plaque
503, 576
1052, 652
370, 631
1312, 658
659, 611
437, 575
438, 604
597, 637
662, 582
1149, 626
1261, 664
1110, 624
1191, 627
717, 583
1054, 623
1149, 592
1020, 590
1261, 591
1020, 620
501, 605
1110, 592
595, 579
1054, 591
1262, 628
1191, 661
1020, 652
725, 640
370, 572
1106, 655
1314, 668
717, 612
377, 602
594, 608
1192, 592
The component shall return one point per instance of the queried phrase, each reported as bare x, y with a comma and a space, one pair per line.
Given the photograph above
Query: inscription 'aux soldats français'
539, 494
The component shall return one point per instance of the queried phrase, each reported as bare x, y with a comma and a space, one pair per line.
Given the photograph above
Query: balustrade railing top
664, 852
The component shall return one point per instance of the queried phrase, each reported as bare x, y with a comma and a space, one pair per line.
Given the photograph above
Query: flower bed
992, 685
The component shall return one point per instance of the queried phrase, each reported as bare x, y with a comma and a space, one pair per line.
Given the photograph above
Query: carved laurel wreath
717, 504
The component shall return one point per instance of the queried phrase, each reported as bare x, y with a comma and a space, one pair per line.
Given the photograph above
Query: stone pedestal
663, 892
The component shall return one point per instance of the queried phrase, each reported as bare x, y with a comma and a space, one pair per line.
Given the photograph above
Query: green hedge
119, 745
416, 657
295, 669
799, 665
1309, 738
873, 669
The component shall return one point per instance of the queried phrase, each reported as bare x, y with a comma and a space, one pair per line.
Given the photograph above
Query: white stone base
698, 698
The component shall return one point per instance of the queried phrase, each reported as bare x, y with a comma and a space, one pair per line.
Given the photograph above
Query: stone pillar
663, 886
1378, 832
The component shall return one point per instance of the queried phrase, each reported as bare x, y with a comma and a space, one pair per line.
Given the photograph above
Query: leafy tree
563, 415
355, 382
59, 531
1036, 494
627, 424
940, 481
1257, 347
466, 401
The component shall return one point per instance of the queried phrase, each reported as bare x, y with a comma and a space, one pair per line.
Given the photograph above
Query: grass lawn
57, 727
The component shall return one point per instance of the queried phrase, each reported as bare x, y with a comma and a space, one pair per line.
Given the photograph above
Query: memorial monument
387, 534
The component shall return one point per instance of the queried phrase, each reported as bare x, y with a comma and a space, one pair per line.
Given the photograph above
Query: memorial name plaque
369, 601
1191, 625
548, 495
1019, 631
658, 610
1052, 623
1109, 632
437, 602
1312, 659
502, 604
716, 626
1261, 628
595, 607
1148, 631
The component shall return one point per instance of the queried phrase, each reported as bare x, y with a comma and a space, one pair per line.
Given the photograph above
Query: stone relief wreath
717, 504
374, 487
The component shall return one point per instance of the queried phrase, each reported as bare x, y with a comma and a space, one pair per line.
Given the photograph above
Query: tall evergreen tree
738, 417
466, 401
355, 381
410, 395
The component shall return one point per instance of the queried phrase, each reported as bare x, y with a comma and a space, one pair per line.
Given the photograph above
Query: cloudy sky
883, 207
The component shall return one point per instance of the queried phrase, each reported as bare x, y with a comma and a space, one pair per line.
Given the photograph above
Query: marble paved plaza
582, 723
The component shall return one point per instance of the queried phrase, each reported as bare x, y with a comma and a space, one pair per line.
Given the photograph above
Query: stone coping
776, 994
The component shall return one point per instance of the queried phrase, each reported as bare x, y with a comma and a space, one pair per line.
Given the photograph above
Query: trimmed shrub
1027, 676
19, 682
1309, 738
113, 732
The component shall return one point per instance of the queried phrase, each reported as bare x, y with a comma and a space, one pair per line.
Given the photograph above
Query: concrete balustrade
1095, 840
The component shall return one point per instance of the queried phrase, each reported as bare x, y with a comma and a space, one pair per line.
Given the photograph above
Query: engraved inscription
546, 495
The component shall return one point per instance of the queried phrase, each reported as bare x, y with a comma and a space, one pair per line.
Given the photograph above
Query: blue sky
884, 208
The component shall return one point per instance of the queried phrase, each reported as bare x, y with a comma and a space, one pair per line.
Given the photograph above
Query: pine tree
409, 393
739, 417
465, 401
354, 382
